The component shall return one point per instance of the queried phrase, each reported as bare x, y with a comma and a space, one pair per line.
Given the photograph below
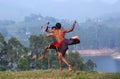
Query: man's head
58, 26
53, 27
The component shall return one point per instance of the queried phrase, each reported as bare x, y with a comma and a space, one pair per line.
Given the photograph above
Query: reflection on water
105, 63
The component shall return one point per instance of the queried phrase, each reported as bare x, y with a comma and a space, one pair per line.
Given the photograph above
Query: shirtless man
59, 36
54, 45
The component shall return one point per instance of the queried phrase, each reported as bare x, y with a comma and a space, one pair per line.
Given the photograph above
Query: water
105, 63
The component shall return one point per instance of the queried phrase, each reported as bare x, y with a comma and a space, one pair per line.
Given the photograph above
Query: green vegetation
16, 57
54, 74
20, 41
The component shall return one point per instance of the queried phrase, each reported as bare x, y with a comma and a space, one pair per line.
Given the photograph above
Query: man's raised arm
72, 28
47, 30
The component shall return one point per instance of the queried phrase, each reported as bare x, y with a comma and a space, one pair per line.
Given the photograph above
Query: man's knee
75, 41
46, 47
59, 55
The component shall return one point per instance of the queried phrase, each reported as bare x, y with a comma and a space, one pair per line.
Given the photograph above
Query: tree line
14, 56
94, 34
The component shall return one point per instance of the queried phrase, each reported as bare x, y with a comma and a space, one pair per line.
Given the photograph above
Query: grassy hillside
54, 74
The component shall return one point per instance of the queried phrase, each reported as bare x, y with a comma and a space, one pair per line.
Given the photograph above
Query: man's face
53, 28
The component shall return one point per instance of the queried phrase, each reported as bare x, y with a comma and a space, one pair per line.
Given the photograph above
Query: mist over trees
94, 33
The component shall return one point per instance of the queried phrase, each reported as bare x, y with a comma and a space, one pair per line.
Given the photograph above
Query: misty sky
60, 9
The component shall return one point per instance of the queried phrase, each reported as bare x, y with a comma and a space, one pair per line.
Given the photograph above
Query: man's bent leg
73, 41
44, 51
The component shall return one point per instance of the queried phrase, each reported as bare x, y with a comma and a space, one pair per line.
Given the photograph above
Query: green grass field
54, 74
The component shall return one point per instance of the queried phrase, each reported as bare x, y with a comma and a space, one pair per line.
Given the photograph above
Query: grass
54, 74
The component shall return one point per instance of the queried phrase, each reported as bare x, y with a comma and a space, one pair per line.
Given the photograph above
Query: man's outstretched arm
48, 35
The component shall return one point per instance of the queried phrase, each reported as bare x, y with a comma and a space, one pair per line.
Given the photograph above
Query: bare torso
58, 35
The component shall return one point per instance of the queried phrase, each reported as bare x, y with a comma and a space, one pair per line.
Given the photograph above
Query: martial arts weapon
44, 27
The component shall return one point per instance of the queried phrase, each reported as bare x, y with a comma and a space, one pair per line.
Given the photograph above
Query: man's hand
48, 23
75, 22
41, 27
47, 26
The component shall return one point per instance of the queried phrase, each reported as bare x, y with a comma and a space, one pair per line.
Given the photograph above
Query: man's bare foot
75, 37
41, 57
60, 71
69, 68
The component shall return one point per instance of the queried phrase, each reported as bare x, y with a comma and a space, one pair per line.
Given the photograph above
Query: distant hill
94, 33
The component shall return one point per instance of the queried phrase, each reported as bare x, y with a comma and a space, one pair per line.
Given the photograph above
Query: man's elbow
46, 30
71, 30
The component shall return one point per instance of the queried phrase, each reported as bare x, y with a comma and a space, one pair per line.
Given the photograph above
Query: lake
105, 63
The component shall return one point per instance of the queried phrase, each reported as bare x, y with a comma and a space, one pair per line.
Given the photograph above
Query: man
54, 45
59, 36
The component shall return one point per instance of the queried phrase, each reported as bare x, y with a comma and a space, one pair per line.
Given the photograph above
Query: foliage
77, 62
23, 64
37, 44
94, 34
3, 53
15, 49
90, 65
20, 57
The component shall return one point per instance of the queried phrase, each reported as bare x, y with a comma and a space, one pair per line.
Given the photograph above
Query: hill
94, 33
54, 74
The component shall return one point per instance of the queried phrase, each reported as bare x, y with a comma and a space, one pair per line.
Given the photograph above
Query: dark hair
58, 26
53, 27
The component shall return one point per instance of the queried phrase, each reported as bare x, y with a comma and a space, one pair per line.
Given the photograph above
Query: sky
61, 9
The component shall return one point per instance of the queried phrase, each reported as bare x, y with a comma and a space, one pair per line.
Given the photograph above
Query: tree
23, 64
15, 51
37, 44
51, 59
76, 60
90, 65
78, 63
3, 53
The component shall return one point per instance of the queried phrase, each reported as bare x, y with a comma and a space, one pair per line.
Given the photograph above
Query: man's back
59, 34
